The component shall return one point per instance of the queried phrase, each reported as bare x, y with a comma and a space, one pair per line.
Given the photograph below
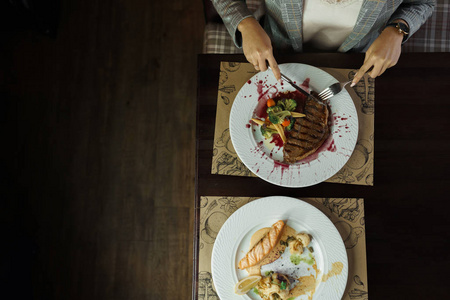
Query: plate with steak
287, 138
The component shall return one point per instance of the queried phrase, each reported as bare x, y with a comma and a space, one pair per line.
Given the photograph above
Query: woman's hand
382, 54
257, 46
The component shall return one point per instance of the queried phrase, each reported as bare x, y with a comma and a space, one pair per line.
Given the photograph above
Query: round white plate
233, 240
264, 158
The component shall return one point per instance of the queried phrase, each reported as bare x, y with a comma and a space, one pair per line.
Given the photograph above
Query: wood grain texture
409, 199
98, 163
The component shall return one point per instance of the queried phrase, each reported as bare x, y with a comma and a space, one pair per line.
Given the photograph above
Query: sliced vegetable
280, 130
246, 284
258, 121
291, 124
277, 114
266, 131
271, 103
280, 117
274, 109
261, 123
297, 114
286, 122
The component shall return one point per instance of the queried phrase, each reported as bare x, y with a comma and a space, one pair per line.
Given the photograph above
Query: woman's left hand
382, 54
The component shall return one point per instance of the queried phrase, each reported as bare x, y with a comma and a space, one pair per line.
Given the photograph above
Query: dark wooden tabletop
407, 211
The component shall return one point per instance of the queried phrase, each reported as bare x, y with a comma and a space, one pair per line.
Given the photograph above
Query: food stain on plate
336, 269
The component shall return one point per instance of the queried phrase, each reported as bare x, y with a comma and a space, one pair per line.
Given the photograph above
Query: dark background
97, 167
97, 161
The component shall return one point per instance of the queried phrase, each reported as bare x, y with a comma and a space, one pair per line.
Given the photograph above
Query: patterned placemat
358, 169
347, 214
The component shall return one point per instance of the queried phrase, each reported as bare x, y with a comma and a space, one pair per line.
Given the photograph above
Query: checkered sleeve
232, 13
415, 13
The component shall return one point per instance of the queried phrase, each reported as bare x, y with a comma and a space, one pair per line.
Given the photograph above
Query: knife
297, 87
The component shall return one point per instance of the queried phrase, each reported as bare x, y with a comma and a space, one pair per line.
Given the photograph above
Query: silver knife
307, 94
299, 88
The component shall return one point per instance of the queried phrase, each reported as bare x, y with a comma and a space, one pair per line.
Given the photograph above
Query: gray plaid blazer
283, 20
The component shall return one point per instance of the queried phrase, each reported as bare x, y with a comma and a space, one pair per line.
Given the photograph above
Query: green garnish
277, 114
295, 259
287, 104
283, 285
266, 131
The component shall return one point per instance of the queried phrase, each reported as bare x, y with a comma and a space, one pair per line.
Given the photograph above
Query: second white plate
233, 240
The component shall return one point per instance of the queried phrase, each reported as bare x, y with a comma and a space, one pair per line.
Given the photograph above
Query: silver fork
332, 90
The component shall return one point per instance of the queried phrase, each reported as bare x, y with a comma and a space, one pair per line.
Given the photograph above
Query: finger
262, 64
376, 71
275, 69
253, 61
366, 66
366, 57
385, 67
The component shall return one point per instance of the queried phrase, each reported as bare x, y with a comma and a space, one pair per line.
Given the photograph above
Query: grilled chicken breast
308, 133
263, 247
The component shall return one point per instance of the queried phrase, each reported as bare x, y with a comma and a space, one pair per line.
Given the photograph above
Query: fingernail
352, 84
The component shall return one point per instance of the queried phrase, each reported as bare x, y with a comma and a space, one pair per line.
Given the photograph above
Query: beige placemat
347, 214
359, 168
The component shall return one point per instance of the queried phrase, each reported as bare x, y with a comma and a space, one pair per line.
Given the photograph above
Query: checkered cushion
217, 40
433, 36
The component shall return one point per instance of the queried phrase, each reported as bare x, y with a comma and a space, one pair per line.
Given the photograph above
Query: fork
332, 90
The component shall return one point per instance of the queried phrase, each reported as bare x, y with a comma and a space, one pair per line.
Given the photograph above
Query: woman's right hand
257, 46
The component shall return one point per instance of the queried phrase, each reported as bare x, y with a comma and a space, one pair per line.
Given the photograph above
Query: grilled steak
308, 133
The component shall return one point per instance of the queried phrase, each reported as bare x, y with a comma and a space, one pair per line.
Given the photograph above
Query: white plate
233, 239
263, 158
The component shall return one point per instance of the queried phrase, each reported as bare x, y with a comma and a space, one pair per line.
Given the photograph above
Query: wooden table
407, 210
